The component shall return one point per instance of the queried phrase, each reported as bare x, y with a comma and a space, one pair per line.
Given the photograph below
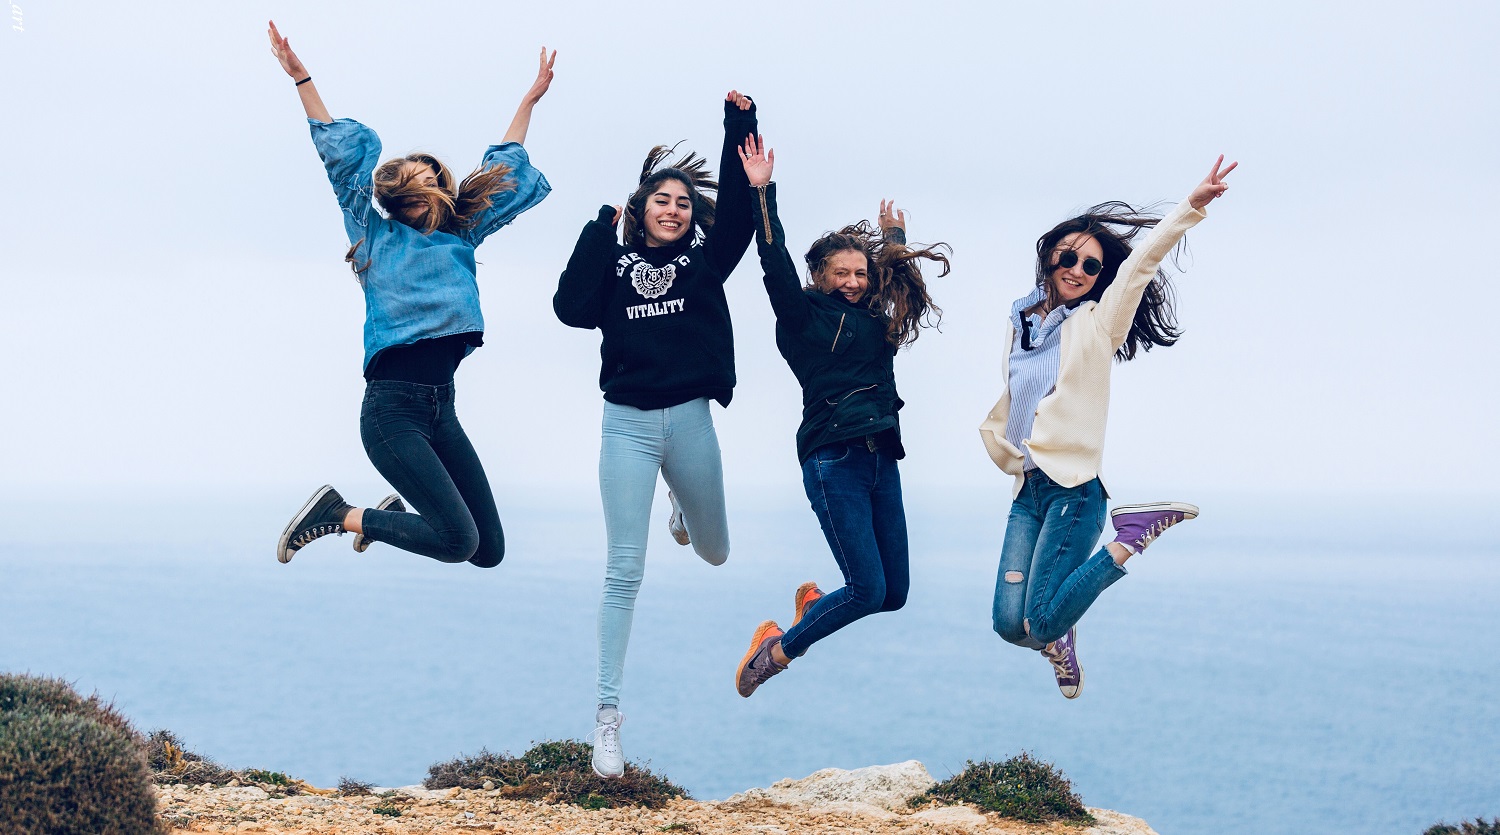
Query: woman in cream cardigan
1097, 299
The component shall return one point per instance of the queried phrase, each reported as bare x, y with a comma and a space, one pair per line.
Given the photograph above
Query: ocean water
1280, 665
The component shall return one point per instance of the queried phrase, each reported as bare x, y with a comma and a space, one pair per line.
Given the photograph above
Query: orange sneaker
758, 664
807, 594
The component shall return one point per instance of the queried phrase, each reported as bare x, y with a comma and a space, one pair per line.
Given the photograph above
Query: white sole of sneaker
282, 556
361, 543
1188, 510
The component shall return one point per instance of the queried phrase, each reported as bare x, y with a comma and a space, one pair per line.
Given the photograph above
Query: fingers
1225, 172
771, 156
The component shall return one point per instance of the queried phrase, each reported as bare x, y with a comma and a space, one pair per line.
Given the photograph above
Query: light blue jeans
1050, 573
680, 443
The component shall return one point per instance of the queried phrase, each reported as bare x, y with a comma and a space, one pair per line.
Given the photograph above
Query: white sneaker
675, 524
609, 760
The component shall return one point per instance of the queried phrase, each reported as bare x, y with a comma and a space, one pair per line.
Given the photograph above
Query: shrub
353, 788
72, 773
41, 694
1022, 787
172, 762
555, 772
1474, 827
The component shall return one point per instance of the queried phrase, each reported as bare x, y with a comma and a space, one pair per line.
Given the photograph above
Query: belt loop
870, 443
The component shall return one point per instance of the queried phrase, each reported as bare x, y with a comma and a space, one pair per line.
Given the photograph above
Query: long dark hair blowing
898, 293
691, 170
1115, 226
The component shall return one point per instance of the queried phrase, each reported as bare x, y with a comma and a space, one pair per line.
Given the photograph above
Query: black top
430, 362
667, 334
838, 350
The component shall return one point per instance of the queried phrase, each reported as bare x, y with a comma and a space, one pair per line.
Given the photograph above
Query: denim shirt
1033, 371
417, 286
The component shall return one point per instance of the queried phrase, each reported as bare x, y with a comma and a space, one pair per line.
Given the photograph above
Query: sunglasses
1068, 259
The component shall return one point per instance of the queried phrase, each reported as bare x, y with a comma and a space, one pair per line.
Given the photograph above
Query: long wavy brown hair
1115, 226
691, 170
399, 192
898, 293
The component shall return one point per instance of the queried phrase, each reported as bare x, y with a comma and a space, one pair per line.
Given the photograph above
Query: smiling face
669, 213
847, 273
1071, 284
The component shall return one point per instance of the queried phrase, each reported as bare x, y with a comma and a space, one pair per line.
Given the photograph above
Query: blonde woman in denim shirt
416, 265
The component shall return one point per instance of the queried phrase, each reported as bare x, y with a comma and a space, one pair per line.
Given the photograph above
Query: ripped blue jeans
1050, 573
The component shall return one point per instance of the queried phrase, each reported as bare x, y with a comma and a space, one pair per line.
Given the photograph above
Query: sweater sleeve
787, 298
1118, 304
350, 151
579, 300
730, 236
530, 188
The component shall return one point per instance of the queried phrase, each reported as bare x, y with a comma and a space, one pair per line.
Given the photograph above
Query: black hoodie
667, 333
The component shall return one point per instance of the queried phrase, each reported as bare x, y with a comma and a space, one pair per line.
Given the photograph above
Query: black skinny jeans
412, 436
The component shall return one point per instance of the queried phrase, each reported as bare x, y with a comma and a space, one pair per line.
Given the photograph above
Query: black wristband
303, 81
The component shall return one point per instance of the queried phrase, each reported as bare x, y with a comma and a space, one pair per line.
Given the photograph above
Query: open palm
757, 159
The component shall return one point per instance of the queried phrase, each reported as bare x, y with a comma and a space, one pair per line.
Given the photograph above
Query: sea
1283, 664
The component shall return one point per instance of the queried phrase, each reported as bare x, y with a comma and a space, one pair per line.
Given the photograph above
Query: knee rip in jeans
1014, 577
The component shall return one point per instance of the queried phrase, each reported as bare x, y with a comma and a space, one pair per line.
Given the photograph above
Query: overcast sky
177, 313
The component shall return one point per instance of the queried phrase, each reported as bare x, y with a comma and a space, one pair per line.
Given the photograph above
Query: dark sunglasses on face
1067, 259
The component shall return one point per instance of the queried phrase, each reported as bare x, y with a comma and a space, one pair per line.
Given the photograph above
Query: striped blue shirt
1033, 373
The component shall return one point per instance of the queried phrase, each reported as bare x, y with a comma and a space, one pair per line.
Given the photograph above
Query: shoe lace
763, 667
1062, 665
1155, 530
316, 532
607, 737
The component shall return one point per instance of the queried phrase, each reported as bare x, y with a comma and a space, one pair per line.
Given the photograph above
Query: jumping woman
667, 351
1098, 298
864, 300
415, 261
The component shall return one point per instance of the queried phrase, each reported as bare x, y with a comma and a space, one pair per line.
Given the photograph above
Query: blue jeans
412, 435
1048, 577
856, 494
680, 443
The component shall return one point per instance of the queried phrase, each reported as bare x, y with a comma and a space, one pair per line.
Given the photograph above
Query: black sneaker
392, 503
322, 515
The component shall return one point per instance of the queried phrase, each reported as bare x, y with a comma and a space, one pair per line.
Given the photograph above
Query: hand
741, 101
891, 217
282, 49
757, 159
1212, 186
543, 78
619, 210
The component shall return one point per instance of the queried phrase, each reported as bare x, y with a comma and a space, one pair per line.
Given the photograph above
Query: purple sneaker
1063, 653
1137, 525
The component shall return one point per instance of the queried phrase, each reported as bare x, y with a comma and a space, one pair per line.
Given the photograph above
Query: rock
1115, 823
489, 785
238, 794
951, 815
886, 787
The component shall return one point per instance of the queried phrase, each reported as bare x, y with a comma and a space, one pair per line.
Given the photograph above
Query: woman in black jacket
667, 351
865, 299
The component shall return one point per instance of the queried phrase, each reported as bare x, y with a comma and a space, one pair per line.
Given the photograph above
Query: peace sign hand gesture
1212, 186
543, 78
757, 159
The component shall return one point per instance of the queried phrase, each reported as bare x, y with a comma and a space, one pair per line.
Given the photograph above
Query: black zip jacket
837, 350
667, 333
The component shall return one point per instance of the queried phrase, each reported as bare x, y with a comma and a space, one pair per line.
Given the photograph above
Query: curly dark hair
898, 293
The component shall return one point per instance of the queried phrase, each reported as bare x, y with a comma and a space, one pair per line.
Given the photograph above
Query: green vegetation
71, 764
172, 763
1478, 826
1022, 787
555, 772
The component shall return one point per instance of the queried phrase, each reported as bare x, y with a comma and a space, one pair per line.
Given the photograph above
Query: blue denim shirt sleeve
350, 151
531, 188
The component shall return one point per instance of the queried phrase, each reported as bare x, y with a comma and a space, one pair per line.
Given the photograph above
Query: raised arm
579, 301
733, 225
522, 120
1118, 303
312, 103
780, 271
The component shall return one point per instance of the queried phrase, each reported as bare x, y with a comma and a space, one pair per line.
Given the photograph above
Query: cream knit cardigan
1067, 439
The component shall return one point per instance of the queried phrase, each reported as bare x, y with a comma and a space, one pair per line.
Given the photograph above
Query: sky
177, 315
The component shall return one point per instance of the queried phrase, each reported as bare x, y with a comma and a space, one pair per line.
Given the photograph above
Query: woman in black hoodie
865, 299
667, 351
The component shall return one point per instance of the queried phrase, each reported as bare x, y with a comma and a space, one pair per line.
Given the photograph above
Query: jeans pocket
832, 453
